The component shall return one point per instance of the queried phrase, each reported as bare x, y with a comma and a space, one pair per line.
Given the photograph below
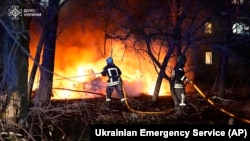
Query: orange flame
79, 62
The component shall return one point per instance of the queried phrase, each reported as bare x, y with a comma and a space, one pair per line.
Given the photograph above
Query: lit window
208, 28
208, 58
237, 1
240, 28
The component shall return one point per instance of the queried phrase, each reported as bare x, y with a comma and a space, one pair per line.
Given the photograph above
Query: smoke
80, 58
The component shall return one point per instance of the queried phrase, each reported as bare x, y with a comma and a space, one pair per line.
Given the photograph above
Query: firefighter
179, 81
114, 81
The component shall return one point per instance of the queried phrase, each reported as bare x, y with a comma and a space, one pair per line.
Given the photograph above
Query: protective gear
180, 97
110, 60
114, 81
182, 59
178, 77
182, 100
123, 102
179, 113
113, 73
107, 103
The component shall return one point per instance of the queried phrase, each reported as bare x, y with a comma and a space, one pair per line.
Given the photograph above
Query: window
208, 58
237, 1
208, 28
241, 28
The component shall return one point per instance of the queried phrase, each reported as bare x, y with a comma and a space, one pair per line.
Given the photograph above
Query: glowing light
78, 68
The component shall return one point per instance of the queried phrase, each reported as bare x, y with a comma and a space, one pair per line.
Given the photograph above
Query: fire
76, 81
79, 60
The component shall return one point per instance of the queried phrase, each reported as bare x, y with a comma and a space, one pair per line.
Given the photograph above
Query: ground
70, 120
141, 111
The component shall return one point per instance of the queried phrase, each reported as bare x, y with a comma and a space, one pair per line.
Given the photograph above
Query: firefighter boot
108, 102
183, 111
177, 113
124, 103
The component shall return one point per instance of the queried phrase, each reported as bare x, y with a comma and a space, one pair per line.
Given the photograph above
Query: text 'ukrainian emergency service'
228, 133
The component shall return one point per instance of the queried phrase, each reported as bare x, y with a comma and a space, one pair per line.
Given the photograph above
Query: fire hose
125, 96
202, 94
142, 112
209, 100
220, 108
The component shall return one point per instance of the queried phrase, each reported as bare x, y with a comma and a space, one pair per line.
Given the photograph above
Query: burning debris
95, 85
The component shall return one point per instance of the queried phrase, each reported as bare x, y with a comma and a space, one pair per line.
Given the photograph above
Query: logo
15, 12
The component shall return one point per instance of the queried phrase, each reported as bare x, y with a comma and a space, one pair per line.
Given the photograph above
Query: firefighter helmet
109, 60
182, 59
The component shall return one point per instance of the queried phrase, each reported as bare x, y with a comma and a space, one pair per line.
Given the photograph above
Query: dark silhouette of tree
175, 26
178, 26
225, 41
227, 30
44, 27
159, 30
14, 64
44, 91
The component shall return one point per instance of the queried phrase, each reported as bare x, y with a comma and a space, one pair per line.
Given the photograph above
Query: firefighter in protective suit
179, 81
114, 81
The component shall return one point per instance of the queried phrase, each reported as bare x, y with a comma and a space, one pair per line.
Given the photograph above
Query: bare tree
47, 68
173, 25
225, 41
44, 27
14, 63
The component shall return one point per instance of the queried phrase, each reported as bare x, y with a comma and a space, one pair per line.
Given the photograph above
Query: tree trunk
35, 65
162, 74
222, 78
44, 92
15, 43
157, 86
224, 62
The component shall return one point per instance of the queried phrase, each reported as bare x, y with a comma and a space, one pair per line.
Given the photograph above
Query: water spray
78, 76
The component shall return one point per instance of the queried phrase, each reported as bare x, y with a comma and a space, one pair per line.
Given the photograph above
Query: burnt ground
72, 119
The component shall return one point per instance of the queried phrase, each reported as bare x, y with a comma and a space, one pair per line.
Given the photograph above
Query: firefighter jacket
179, 77
113, 72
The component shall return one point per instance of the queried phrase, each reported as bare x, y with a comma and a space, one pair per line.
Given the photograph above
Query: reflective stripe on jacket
113, 73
